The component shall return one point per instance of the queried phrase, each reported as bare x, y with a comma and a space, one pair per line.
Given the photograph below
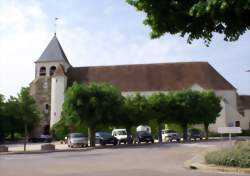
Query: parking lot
146, 160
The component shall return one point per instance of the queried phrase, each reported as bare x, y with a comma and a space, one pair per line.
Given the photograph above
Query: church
54, 73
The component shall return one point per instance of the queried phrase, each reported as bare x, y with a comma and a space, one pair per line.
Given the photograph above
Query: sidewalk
35, 148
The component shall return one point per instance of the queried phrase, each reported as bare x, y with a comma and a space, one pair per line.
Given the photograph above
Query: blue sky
107, 32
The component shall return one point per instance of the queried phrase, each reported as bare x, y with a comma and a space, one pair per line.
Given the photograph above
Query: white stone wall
229, 96
58, 87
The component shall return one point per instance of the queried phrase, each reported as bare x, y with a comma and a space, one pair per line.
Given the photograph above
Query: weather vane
55, 24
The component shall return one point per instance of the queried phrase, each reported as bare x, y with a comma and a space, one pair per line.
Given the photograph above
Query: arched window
42, 71
52, 70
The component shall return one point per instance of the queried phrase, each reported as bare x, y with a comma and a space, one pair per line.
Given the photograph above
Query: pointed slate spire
53, 52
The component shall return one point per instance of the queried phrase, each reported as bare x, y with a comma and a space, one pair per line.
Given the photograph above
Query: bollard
48, 147
3, 148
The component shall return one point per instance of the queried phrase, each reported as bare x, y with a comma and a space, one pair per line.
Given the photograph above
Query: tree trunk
128, 129
25, 135
206, 130
91, 131
184, 130
159, 133
12, 135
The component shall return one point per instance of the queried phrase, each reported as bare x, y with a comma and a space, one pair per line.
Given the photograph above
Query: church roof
53, 52
152, 77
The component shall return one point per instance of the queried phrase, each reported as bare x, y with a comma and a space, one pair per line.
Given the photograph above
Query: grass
236, 156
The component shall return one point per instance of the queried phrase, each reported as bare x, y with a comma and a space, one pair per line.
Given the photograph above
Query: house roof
53, 52
152, 77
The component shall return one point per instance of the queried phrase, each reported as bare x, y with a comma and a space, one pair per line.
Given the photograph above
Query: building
54, 74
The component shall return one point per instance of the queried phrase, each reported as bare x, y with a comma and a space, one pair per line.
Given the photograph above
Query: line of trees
102, 106
18, 115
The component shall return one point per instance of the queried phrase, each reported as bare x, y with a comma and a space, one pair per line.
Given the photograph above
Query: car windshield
194, 131
103, 134
170, 131
76, 135
122, 132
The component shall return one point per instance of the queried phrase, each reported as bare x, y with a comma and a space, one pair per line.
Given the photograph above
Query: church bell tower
52, 61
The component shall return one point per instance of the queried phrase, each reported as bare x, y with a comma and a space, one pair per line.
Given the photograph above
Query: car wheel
152, 141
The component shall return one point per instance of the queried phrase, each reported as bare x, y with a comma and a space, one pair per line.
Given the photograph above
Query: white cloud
23, 35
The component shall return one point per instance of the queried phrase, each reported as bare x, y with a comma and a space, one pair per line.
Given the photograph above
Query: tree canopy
94, 104
198, 19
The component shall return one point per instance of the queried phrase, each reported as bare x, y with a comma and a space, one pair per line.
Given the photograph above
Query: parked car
195, 134
143, 136
77, 139
121, 135
170, 135
42, 138
104, 138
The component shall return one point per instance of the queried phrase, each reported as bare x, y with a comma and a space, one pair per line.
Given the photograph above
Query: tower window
42, 71
52, 70
46, 108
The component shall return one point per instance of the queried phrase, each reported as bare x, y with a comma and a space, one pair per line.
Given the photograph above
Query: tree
2, 118
184, 105
198, 19
28, 112
94, 104
209, 109
134, 112
13, 122
160, 110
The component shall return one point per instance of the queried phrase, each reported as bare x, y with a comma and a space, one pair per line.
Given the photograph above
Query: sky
107, 32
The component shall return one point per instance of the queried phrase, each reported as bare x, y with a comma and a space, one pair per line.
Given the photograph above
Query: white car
170, 135
121, 135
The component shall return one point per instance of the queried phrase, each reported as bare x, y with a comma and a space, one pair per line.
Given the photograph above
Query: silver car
77, 139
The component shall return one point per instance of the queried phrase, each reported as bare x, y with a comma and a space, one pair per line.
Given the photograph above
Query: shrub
236, 156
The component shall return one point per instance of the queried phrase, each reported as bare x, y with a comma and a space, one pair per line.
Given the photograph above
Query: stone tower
52, 62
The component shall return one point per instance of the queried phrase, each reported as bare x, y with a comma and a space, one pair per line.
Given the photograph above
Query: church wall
229, 96
40, 90
57, 98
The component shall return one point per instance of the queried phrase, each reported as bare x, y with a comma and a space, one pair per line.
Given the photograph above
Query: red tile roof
152, 77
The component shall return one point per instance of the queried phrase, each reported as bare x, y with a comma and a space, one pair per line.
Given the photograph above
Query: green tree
160, 110
2, 118
13, 122
185, 105
198, 19
209, 109
94, 104
28, 112
133, 113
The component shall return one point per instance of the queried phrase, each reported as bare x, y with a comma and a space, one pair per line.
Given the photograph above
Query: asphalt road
149, 160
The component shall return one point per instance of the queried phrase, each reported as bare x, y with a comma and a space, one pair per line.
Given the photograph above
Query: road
147, 160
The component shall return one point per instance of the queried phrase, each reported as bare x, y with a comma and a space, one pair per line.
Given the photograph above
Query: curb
198, 163
74, 150
48, 151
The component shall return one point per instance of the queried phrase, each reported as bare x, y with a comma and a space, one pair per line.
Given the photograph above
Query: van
121, 135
